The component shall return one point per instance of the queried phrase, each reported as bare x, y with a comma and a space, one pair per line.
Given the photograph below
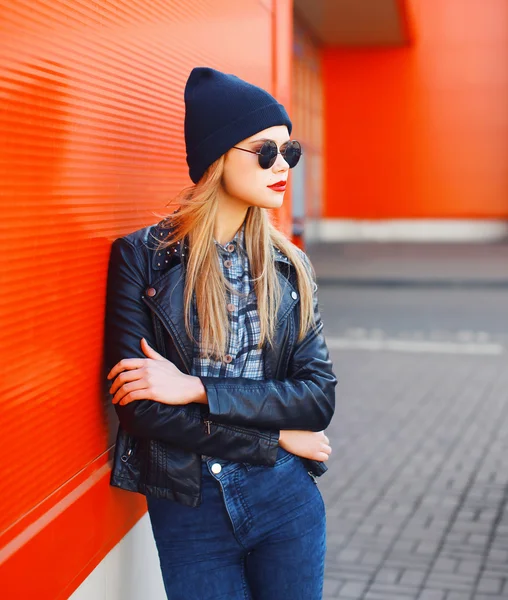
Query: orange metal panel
68, 540
91, 147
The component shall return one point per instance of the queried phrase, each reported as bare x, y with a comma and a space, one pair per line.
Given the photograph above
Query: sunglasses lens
292, 152
267, 154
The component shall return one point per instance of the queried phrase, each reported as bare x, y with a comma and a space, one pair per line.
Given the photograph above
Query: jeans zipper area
229, 513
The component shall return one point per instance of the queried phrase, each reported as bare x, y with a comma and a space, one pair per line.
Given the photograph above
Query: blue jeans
258, 534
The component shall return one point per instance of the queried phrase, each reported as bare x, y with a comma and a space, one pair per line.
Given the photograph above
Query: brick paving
417, 489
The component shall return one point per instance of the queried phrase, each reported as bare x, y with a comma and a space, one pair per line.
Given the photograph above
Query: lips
280, 186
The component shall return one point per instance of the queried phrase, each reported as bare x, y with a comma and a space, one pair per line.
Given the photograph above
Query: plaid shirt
243, 358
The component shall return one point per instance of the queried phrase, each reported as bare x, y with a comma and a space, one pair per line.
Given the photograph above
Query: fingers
126, 364
135, 390
322, 456
326, 448
125, 377
136, 395
323, 436
324, 452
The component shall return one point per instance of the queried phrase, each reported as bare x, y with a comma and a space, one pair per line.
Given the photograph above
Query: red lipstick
280, 186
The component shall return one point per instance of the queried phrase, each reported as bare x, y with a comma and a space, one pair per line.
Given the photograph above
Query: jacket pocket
126, 460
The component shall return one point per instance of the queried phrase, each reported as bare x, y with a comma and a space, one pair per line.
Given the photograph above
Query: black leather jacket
158, 447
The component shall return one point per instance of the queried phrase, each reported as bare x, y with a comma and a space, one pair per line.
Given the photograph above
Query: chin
272, 202
268, 205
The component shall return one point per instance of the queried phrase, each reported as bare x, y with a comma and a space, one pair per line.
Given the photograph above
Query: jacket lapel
168, 304
168, 299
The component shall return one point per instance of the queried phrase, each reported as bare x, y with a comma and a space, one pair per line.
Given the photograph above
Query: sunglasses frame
272, 158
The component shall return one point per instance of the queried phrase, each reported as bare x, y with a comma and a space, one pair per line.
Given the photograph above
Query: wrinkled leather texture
158, 447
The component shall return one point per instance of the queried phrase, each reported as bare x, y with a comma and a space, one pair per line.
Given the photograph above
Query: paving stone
490, 585
353, 589
432, 595
415, 578
387, 575
458, 596
330, 586
470, 567
349, 555
446, 565
373, 595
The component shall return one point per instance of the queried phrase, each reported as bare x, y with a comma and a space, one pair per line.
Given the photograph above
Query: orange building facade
421, 130
404, 121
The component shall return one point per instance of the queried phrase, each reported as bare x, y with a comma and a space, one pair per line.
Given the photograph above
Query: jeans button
216, 468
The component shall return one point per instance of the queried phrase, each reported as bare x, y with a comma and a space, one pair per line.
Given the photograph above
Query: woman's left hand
153, 378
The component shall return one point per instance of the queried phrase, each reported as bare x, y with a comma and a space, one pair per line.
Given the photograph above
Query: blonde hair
204, 279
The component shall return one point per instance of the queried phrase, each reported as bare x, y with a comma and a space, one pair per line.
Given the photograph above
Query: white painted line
394, 345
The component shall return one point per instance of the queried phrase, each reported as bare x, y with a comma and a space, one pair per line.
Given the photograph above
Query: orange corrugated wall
422, 131
91, 147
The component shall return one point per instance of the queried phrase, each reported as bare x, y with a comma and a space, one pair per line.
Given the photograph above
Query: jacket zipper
282, 352
208, 422
125, 457
245, 431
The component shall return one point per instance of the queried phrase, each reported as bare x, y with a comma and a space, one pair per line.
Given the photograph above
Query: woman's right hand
307, 444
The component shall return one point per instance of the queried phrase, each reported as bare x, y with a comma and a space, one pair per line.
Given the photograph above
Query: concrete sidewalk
379, 263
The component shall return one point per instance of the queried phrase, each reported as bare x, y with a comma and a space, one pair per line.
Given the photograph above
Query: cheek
245, 183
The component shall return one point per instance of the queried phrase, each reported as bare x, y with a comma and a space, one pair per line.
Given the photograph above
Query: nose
280, 164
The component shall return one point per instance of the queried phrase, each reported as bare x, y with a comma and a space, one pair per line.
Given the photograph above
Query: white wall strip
395, 345
406, 230
130, 571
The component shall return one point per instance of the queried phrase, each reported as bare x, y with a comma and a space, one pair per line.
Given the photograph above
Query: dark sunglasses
267, 154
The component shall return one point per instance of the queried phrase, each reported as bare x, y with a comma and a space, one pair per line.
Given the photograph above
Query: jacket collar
164, 259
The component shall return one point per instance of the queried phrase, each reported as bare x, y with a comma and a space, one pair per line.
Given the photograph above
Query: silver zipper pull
207, 426
125, 457
312, 476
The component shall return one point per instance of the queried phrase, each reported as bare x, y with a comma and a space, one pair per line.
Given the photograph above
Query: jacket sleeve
127, 320
305, 400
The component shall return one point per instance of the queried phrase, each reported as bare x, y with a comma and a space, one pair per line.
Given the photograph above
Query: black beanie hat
221, 110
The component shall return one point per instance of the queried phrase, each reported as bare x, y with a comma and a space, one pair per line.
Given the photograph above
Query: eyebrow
266, 140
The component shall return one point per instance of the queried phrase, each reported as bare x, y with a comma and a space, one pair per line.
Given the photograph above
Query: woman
219, 371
